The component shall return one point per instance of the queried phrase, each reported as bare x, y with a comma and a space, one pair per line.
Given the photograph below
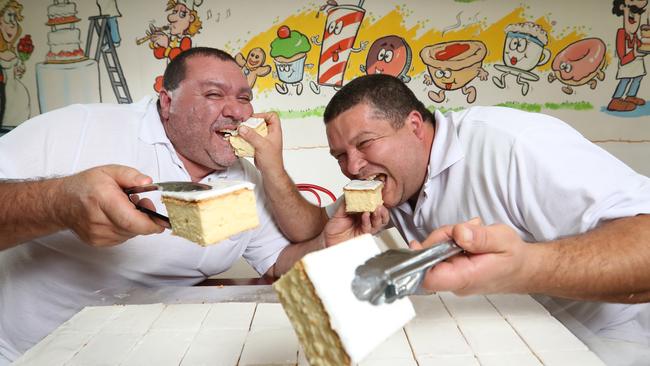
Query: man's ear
165, 98
416, 123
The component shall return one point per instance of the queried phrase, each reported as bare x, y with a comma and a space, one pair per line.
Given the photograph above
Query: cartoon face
388, 55
454, 64
578, 62
339, 35
9, 25
256, 57
522, 52
334, 26
290, 72
632, 10
179, 19
448, 79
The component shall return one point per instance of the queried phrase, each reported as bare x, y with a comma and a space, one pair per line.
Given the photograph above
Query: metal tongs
165, 187
396, 273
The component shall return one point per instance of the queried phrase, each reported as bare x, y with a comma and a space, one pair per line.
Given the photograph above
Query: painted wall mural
296, 55
15, 103
457, 57
170, 40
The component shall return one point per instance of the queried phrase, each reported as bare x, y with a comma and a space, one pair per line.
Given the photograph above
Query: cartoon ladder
106, 48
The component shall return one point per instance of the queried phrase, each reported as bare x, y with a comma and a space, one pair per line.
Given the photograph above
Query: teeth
372, 177
228, 133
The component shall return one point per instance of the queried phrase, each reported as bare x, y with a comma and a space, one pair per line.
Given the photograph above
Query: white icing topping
253, 122
220, 188
362, 185
360, 325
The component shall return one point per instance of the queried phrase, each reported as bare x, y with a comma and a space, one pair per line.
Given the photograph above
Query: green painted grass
303, 113
577, 106
528, 107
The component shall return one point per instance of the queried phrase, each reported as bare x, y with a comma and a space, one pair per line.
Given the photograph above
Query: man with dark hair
64, 211
496, 180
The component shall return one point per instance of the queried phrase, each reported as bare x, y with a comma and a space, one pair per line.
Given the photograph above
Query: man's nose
236, 110
356, 162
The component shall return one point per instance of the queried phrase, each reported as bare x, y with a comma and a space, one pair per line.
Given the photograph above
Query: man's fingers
444, 277
366, 225
250, 136
273, 124
415, 245
271, 118
147, 203
479, 239
438, 235
125, 176
121, 212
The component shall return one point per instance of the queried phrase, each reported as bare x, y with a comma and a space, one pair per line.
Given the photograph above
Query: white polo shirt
538, 175
45, 281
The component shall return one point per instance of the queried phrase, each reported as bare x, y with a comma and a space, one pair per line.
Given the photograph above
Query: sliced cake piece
243, 148
207, 217
363, 195
333, 326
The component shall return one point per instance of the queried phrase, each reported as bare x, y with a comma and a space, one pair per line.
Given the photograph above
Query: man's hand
268, 149
343, 226
93, 204
493, 262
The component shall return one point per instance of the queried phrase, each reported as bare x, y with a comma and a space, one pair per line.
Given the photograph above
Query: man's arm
292, 253
339, 228
90, 203
609, 263
298, 219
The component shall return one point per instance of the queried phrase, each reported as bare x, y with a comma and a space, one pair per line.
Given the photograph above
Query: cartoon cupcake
289, 52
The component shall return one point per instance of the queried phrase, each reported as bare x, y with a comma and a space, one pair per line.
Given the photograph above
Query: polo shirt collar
152, 131
446, 149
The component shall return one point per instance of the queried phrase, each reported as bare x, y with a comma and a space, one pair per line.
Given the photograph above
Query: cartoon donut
580, 63
389, 55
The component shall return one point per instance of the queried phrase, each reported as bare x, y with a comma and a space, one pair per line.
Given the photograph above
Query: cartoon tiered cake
64, 37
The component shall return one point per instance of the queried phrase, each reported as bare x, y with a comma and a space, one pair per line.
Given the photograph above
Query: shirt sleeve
41, 148
562, 184
267, 241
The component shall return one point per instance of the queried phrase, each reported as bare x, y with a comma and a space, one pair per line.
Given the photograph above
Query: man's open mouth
227, 133
378, 177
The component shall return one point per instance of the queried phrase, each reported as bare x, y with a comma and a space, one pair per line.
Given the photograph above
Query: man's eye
364, 143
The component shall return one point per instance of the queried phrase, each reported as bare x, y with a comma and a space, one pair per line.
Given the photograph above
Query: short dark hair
176, 69
386, 94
